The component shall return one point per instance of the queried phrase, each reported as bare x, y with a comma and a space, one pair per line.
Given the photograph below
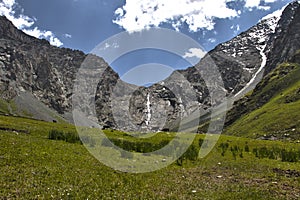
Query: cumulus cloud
194, 52
43, 34
252, 3
137, 15
259, 4
142, 14
8, 9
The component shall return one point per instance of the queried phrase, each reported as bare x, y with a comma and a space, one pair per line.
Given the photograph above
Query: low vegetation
39, 160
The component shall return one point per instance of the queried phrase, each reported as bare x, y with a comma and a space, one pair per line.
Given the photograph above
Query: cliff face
33, 65
46, 73
286, 39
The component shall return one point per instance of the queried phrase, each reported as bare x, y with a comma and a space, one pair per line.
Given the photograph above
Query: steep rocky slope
286, 39
33, 65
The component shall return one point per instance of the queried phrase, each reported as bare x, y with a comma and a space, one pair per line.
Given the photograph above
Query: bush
126, 154
247, 149
92, 142
289, 156
106, 143
56, 135
85, 139
276, 153
224, 147
191, 154
236, 151
70, 137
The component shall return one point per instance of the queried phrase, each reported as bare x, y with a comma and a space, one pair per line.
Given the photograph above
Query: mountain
271, 111
281, 47
37, 79
32, 69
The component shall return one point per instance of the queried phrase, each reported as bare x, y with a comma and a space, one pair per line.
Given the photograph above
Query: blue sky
83, 24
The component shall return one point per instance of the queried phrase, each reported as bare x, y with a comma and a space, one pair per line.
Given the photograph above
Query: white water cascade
148, 118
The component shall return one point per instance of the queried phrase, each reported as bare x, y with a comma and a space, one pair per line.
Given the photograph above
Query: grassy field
34, 167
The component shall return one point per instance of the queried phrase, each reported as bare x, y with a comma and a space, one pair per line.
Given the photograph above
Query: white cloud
194, 52
212, 40
44, 34
141, 14
275, 14
270, 1
6, 9
108, 45
25, 23
137, 15
67, 35
235, 28
252, 3
259, 4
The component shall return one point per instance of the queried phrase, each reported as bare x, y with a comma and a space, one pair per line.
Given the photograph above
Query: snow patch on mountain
262, 66
273, 19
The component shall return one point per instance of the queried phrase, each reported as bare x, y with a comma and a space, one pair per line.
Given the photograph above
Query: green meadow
41, 160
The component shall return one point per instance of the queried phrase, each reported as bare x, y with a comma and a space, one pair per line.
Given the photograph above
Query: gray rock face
33, 65
48, 73
286, 39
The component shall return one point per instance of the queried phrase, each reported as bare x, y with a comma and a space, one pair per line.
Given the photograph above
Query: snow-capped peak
276, 14
273, 18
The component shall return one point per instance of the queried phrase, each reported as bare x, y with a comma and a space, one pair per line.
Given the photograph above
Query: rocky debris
14, 130
269, 137
288, 173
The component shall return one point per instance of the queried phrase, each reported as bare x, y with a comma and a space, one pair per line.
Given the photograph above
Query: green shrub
191, 154
92, 142
224, 147
247, 149
56, 135
72, 137
289, 156
85, 139
126, 154
200, 142
106, 142
276, 153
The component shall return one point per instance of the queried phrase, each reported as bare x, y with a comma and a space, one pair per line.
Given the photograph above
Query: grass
35, 167
6, 107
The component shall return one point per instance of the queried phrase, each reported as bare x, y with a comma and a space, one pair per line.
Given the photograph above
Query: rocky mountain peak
286, 39
10, 32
